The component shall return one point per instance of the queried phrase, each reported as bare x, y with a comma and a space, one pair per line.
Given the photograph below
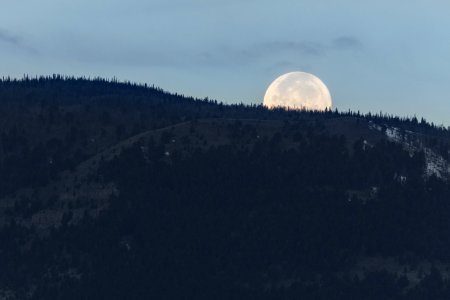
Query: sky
389, 56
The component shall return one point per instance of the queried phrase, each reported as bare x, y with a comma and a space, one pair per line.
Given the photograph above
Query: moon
298, 90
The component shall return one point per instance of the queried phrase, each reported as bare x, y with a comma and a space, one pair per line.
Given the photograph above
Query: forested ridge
114, 190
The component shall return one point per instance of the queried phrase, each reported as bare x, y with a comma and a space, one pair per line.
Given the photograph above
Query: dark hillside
113, 190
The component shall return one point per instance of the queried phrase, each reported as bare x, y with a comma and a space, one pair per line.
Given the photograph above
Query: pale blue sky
390, 56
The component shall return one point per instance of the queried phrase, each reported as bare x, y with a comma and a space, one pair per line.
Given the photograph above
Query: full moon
298, 90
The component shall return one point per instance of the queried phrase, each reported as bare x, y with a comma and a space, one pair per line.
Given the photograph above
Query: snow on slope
435, 164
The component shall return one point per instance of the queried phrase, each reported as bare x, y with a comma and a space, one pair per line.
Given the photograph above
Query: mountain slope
112, 190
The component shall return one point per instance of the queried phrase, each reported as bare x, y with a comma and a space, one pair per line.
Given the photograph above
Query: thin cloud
303, 47
15, 40
6, 37
347, 42
223, 56
309, 48
228, 56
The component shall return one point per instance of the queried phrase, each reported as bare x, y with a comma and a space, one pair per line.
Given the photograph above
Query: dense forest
114, 190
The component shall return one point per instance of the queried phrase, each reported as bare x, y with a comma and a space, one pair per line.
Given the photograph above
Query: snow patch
394, 134
374, 126
435, 164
